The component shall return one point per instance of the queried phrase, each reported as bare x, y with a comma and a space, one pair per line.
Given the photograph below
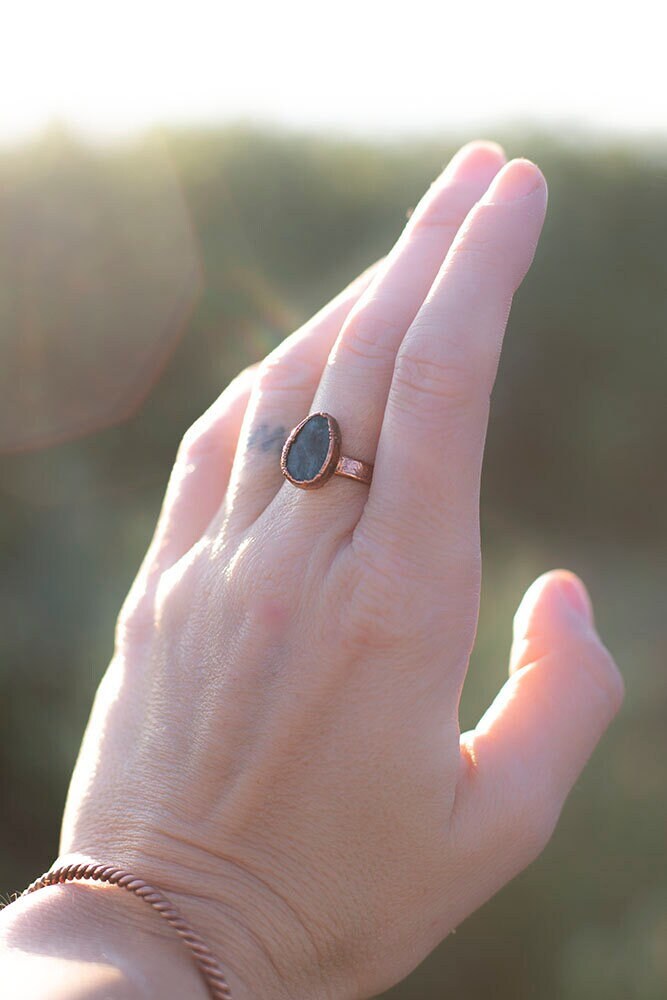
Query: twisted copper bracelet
202, 955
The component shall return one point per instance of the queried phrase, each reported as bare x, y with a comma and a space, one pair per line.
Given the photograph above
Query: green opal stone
309, 449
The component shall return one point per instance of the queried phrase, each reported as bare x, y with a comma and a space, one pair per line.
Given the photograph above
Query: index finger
424, 499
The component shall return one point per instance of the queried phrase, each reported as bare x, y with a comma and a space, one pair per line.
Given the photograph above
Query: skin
276, 741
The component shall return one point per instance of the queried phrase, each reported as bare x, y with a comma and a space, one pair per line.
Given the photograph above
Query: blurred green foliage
575, 474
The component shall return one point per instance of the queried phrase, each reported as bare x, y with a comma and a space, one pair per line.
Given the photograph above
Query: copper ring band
354, 468
311, 455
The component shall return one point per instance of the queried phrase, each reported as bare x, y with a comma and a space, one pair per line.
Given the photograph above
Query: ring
311, 455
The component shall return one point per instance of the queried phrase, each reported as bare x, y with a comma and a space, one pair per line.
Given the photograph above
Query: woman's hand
276, 741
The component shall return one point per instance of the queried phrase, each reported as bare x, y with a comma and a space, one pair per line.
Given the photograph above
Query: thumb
532, 743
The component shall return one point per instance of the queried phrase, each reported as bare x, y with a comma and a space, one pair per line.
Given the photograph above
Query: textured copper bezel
330, 462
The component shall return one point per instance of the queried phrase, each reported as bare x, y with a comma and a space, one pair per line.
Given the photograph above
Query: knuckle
372, 623
196, 442
421, 380
370, 335
443, 209
476, 248
439, 221
182, 590
136, 619
585, 650
480, 260
380, 613
386, 544
476, 253
387, 599
171, 597
261, 582
287, 372
605, 675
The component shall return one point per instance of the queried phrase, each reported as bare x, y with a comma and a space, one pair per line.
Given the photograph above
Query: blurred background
179, 189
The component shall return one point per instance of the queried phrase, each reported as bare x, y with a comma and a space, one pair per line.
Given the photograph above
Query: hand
276, 741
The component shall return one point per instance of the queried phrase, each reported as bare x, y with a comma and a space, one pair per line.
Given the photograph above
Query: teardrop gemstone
309, 452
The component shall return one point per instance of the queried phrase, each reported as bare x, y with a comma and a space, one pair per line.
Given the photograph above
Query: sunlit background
370, 67
180, 185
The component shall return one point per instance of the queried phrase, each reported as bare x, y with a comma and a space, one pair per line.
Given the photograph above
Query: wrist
252, 943
82, 941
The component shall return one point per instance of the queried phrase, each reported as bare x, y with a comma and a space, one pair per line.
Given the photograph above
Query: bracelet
202, 955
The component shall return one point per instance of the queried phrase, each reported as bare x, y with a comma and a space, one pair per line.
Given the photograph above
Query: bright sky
376, 67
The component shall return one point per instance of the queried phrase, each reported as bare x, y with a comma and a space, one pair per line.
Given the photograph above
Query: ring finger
283, 387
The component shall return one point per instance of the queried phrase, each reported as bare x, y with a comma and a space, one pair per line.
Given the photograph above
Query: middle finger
356, 379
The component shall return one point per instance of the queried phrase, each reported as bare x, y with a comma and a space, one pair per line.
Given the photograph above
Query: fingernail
517, 180
475, 162
576, 595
